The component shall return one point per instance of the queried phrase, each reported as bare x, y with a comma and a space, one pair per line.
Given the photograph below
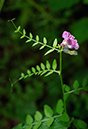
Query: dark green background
47, 18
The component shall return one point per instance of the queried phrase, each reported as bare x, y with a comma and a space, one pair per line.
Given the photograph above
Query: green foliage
84, 83
49, 121
76, 84
49, 51
16, 57
38, 116
44, 40
29, 119
18, 29
61, 4
80, 124
59, 107
55, 43
48, 111
64, 117
54, 64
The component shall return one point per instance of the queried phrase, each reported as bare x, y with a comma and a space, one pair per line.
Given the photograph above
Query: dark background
47, 18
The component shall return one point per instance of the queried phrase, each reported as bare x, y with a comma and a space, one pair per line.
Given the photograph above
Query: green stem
62, 80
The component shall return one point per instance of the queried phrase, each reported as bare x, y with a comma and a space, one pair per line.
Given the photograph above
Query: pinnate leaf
38, 116
50, 121
48, 111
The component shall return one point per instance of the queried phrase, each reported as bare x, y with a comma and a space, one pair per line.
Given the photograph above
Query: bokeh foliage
47, 18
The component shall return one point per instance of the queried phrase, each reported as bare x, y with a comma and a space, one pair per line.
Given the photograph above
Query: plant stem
62, 80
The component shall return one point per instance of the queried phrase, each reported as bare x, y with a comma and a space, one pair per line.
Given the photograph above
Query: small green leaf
49, 51
54, 64
84, 83
38, 116
59, 106
48, 111
49, 73
26, 76
50, 121
42, 66
47, 64
34, 44
29, 40
76, 84
86, 88
29, 119
44, 40
28, 127
66, 88
22, 75
76, 92
66, 96
64, 117
41, 47
28, 72
24, 32
30, 35
45, 71
37, 67
19, 125
37, 125
17, 29
22, 36
37, 38
82, 124
55, 43
33, 69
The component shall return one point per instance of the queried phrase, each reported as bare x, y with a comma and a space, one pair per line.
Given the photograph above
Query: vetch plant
62, 119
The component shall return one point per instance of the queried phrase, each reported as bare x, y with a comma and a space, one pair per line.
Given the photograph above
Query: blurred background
47, 18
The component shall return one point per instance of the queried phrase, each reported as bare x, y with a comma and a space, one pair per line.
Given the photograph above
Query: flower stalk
62, 86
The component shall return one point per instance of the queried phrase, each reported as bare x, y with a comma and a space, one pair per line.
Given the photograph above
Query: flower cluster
69, 41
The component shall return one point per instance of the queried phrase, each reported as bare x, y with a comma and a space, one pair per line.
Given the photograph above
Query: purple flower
69, 41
